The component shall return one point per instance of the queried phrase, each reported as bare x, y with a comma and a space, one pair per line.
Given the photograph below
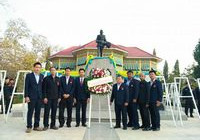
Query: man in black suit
67, 87
33, 96
51, 97
197, 93
82, 97
121, 97
156, 95
133, 87
188, 101
143, 101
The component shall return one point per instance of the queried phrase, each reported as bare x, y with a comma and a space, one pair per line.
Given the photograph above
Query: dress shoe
156, 129
84, 125
68, 125
146, 129
54, 128
124, 128
135, 128
37, 129
77, 125
141, 126
115, 127
61, 126
28, 130
45, 128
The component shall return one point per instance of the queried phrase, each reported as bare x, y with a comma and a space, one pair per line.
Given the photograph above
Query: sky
172, 27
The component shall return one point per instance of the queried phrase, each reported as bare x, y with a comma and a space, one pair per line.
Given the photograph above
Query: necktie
81, 81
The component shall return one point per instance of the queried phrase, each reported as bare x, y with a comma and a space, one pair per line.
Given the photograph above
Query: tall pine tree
154, 51
165, 70
176, 71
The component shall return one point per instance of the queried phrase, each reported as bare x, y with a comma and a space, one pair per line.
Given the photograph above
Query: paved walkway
14, 129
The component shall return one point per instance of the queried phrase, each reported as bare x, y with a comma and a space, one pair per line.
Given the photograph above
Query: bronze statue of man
101, 42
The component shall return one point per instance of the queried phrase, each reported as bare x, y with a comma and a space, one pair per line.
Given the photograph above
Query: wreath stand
90, 109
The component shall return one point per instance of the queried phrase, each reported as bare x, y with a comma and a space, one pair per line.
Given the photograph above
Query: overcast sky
172, 27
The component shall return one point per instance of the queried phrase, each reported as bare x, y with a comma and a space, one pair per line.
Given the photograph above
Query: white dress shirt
67, 79
37, 77
118, 86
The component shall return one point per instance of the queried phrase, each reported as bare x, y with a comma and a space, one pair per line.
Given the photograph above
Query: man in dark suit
188, 101
51, 97
82, 97
156, 94
33, 96
143, 101
197, 93
67, 86
121, 97
133, 87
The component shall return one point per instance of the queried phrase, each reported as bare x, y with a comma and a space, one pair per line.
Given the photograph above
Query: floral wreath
96, 73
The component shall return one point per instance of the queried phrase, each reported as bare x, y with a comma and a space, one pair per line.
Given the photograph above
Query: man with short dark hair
188, 101
121, 97
33, 96
82, 97
51, 97
133, 87
197, 93
156, 95
143, 101
67, 87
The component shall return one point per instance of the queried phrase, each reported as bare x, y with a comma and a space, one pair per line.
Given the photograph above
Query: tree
48, 63
14, 51
40, 46
196, 54
176, 71
13, 48
154, 51
165, 70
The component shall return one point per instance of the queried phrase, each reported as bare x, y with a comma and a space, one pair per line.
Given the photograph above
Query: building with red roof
126, 58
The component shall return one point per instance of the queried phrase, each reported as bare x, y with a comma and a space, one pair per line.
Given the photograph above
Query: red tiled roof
134, 52
67, 51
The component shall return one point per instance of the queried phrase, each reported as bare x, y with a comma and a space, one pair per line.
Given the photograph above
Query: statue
101, 42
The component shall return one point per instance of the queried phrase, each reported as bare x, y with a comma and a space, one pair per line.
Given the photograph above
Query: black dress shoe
191, 116
156, 129
124, 128
61, 126
68, 125
141, 126
146, 129
135, 128
54, 128
77, 125
84, 125
116, 127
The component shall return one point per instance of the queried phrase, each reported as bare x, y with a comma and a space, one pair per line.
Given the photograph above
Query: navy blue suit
33, 90
120, 97
133, 88
66, 88
81, 96
156, 94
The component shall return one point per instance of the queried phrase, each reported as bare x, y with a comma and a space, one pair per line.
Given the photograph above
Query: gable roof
132, 52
